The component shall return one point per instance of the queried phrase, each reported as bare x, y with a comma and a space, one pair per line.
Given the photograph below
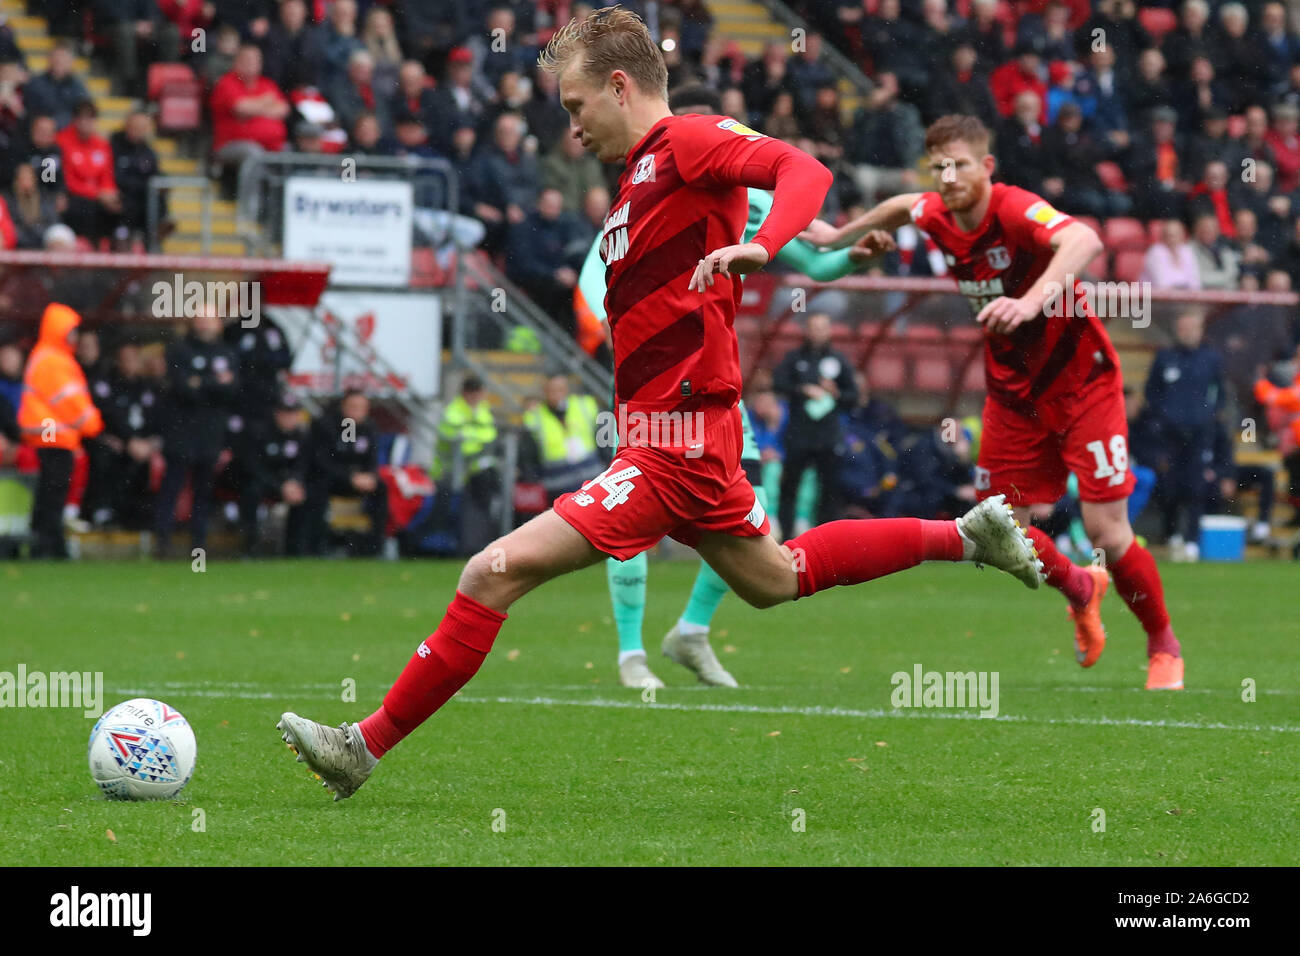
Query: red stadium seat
966, 335
160, 74
932, 374
1157, 21
1111, 176
179, 95
1123, 232
1128, 265
1153, 231
924, 333
887, 370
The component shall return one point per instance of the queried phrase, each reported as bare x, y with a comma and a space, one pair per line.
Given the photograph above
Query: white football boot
633, 671
999, 541
694, 653
338, 755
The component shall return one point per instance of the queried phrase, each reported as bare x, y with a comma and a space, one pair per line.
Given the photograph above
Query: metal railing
153, 208
259, 207
842, 65
477, 311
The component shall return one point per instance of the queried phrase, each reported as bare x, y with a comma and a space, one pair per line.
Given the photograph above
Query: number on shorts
617, 485
1115, 468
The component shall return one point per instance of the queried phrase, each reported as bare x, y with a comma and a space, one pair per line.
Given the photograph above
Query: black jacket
129, 406
197, 405
133, 166
334, 458
263, 354
807, 365
270, 457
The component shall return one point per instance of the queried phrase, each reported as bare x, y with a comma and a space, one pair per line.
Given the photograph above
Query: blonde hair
612, 39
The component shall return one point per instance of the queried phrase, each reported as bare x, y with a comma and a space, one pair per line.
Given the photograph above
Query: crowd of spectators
814, 412
1193, 124
1195, 117
58, 170
205, 410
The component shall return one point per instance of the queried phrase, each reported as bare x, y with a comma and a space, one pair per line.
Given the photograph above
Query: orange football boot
1165, 672
1089, 633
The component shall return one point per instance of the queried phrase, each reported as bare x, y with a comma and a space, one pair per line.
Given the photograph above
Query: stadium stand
851, 81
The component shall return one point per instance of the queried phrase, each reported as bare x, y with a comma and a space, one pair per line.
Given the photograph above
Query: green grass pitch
544, 759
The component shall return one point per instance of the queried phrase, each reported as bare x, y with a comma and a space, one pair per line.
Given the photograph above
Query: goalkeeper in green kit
688, 641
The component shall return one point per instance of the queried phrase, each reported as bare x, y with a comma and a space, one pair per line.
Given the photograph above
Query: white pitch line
817, 711
238, 691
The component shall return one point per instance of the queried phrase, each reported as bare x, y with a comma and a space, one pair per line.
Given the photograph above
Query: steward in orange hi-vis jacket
55, 414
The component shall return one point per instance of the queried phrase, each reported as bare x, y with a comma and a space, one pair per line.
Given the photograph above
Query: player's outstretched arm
1074, 247
891, 214
727, 154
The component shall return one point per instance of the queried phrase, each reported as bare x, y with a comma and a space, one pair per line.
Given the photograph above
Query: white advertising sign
361, 228
401, 329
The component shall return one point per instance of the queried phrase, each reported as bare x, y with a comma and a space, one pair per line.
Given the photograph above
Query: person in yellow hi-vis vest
468, 423
563, 426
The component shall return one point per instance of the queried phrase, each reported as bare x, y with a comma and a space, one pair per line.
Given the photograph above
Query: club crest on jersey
645, 170
998, 257
1042, 213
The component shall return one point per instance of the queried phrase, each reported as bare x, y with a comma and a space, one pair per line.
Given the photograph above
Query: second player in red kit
1055, 400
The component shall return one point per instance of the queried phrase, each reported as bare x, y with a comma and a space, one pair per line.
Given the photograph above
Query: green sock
627, 594
709, 588
707, 594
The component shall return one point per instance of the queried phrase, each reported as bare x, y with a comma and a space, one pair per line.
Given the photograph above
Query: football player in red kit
673, 267
1055, 401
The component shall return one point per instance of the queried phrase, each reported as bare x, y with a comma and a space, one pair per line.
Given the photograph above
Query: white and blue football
142, 749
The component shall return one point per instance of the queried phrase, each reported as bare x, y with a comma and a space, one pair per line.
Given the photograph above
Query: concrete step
724, 9
24, 25
176, 166
40, 62
114, 105
762, 29
194, 247
191, 226
186, 203
33, 42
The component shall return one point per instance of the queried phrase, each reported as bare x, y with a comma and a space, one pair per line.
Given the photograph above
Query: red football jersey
682, 195
1051, 356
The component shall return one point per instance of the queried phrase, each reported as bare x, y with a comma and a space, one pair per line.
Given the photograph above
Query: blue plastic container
1223, 538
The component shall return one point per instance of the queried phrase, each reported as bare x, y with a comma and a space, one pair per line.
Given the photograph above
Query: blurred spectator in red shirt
188, 16
1285, 143
248, 111
1015, 77
94, 203
8, 234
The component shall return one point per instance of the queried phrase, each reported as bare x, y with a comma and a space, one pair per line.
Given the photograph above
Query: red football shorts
1030, 459
680, 489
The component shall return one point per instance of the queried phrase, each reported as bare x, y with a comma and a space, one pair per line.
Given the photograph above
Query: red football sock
853, 551
1138, 583
1062, 573
440, 666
